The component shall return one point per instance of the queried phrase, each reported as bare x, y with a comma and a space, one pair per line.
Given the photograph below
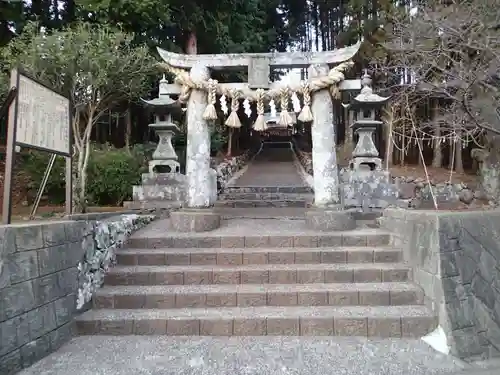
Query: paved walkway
272, 167
160, 355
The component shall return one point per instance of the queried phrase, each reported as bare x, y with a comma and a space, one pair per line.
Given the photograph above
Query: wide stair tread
182, 296
255, 288
262, 255
258, 274
266, 196
251, 267
263, 203
393, 321
294, 213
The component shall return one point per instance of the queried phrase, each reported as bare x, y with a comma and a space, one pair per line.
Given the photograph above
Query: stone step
266, 196
288, 213
182, 296
156, 235
371, 321
263, 203
268, 189
291, 213
258, 274
238, 256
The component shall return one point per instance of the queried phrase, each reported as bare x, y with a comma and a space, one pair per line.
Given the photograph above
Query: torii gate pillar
324, 156
200, 184
328, 213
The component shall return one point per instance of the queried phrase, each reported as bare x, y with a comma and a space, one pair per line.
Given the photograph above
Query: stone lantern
365, 185
163, 108
163, 187
366, 103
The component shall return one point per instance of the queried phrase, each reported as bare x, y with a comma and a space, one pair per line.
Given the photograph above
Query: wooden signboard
40, 119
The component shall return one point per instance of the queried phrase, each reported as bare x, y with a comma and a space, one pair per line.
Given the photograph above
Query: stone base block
165, 179
158, 193
330, 219
368, 190
195, 220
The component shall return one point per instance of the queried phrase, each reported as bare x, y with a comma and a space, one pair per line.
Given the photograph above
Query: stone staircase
261, 197
257, 277
261, 273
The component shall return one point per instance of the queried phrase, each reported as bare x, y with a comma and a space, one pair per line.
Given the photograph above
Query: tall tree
96, 65
450, 51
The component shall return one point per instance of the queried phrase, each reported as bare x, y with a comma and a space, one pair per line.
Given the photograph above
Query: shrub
217, 142
144, 152
34, 163
111, 175
111, 172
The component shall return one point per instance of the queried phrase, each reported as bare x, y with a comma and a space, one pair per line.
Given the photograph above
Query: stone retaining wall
455, 257
45, 269
305, 159
228, 167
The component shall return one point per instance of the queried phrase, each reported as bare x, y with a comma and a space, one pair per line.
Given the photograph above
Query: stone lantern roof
367, 99
163, 103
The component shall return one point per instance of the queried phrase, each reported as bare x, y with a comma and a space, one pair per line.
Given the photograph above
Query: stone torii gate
198, 90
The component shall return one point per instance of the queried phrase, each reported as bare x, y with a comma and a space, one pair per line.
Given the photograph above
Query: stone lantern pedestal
163, 182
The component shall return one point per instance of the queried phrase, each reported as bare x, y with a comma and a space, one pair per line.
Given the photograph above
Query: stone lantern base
368, 190
159, 191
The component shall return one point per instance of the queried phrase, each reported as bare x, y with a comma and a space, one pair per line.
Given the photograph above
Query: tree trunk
489, 160
128, 130
403, 147
229, 143
191, 44
83, 160
420, 148
348, 139
323, 28
437, 156
459, 165
388, 138
83, 177
452, 150
316, 25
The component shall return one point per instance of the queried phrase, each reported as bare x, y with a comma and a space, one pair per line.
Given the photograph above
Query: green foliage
217, 141
222, 26
143, 152
98, 65
112, 173
34, 163
4, 86
4, 77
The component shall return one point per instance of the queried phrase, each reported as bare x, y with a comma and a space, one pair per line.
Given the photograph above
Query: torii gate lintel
275, 59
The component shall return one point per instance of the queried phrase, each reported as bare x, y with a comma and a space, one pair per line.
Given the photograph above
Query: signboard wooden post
40, 119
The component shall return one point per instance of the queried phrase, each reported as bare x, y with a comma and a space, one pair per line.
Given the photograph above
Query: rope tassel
260, 122
285, 118
210, 113
233, 121
306, 114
